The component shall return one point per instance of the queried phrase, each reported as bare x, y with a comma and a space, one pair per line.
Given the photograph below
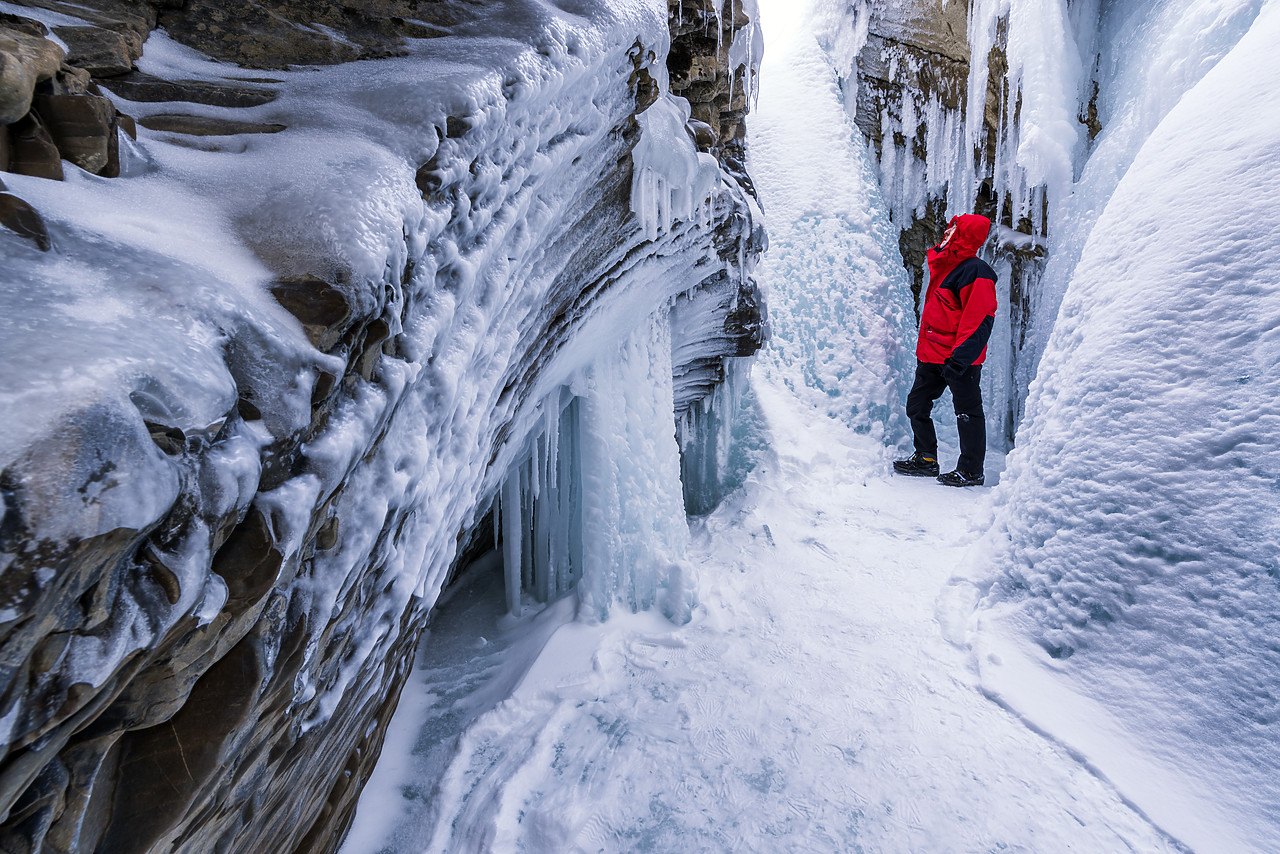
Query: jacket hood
971, 233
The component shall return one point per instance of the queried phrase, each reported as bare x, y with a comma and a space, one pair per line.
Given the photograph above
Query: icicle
595, 497
495, 511
574, 494
526, 527
542, 522
535, 467
512, 538
716, 8
671, 178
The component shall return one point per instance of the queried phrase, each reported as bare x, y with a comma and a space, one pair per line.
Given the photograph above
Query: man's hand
951, 372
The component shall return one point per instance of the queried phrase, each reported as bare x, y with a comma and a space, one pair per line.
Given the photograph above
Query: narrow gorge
320, 317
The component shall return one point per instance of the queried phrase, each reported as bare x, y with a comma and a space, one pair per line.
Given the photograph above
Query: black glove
951, 371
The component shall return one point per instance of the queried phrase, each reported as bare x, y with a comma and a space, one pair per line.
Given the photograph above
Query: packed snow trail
812, 704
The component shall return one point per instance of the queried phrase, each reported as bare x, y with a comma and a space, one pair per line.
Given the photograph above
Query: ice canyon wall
1125, 600
293, 291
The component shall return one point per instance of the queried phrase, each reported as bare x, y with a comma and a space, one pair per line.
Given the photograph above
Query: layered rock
916, 55
50, 106
218, 551
51, 109
268, 35
712, 64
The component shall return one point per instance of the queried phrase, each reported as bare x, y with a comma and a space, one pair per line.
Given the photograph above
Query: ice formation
1048, 50
717, 440
672, 179
491, 327
596, 502
1148, 57
746, 51
1130, 572
845, 321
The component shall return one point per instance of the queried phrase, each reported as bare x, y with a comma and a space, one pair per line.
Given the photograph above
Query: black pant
971, 422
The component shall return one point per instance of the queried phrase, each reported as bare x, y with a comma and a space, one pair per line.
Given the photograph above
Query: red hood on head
971, 233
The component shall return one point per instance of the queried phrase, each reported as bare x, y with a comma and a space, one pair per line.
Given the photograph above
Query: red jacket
960, 304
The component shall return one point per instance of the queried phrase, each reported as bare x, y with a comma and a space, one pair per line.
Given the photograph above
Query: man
955, 322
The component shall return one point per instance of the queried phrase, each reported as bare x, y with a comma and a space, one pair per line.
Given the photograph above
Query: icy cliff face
326, 326
1126, 592
974, 107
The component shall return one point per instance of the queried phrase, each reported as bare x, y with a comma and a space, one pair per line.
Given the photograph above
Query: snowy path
812, 704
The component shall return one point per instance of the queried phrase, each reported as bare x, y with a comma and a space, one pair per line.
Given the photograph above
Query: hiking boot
918, 465
961, 478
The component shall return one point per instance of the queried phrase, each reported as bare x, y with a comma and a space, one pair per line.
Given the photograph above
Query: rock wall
914, 53
727, 308
213, 572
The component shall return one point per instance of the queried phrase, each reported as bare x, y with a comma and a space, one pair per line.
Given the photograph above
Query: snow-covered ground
812, 703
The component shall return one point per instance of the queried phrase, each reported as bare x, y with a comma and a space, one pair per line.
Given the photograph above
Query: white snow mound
1136, 580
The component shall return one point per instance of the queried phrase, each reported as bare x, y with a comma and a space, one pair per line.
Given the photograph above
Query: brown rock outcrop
82, 128
205, 125
266, 35
20, 218
101, 52
131, 19
32, 150
702, 34
26, 59
138, 86
49, 108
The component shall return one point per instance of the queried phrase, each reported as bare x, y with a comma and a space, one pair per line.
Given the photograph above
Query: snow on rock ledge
263, 383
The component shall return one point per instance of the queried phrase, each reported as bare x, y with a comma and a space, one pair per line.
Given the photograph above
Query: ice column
595, 501
712, 454
746, 51
1037, 151
540, 506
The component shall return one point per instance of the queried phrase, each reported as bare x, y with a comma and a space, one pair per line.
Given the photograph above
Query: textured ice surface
1133, 606
1150, 55
810, 705
596, 502
843, 323
1046, 76
672, 179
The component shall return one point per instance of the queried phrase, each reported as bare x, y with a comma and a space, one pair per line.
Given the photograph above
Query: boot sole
897, 470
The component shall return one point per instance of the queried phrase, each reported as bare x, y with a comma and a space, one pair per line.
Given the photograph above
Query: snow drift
1132, 576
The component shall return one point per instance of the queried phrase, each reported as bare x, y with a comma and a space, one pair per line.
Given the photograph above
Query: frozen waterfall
594, 503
